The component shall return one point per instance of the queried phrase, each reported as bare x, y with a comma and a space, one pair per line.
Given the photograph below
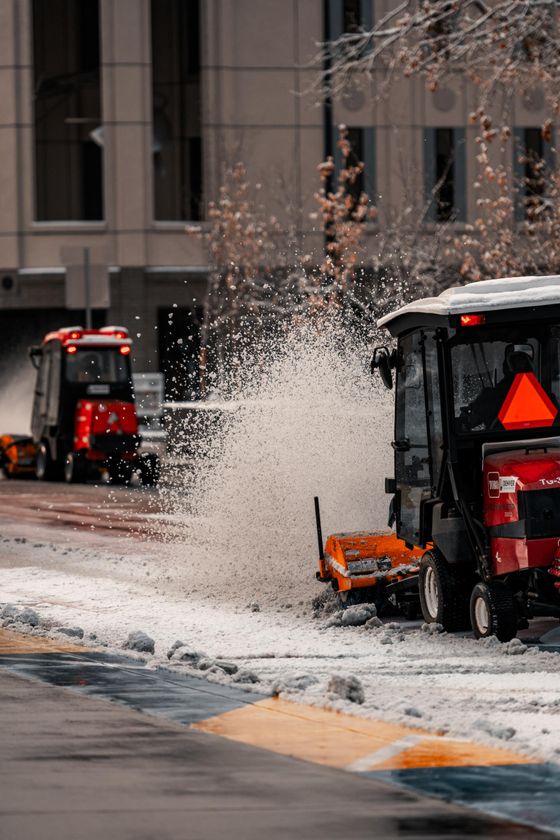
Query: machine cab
464, 380
75, 364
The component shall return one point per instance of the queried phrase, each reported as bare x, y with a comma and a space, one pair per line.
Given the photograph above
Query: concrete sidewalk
75, 768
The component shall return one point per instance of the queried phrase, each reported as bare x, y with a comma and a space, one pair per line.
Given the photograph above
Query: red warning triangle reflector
527, 405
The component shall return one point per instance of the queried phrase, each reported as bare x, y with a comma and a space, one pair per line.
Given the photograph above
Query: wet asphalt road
111, 510
77, 768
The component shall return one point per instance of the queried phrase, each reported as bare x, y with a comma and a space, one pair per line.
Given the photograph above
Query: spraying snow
309, 421
16, 399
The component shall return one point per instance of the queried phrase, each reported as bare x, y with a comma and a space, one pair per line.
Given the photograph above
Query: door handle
401, 445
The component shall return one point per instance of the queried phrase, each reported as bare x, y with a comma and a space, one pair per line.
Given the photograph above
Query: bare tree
243, 252
507, 45
375, 258
517, 228
343, 211
511, 42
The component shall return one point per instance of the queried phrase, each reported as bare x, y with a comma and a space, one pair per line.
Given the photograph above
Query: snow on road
466, 688
228, 564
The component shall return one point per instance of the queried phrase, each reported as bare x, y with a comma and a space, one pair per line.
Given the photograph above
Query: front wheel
443, 597
493, 611
74, 468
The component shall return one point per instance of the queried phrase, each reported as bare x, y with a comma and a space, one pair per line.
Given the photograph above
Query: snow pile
348, 688
466, 688
140, 642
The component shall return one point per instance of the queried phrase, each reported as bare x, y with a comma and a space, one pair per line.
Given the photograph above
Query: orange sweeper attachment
372, 567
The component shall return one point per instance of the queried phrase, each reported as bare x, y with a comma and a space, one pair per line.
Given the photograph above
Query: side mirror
36, 354
383, 361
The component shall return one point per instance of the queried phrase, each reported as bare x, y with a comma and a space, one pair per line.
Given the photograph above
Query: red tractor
476, 485
84, 416
477, 450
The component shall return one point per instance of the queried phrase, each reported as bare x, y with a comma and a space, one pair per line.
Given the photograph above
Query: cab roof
80, 336
486, 296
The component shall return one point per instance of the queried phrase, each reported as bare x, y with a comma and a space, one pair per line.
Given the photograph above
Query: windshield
107, 366
506, 379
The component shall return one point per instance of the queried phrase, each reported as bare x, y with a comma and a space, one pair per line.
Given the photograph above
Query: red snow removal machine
476, 486
84, 417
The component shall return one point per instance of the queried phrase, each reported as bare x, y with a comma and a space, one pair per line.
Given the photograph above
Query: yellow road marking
322, 736
338, 740
13, 643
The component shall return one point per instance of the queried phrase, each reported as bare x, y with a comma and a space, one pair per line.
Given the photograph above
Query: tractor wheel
120, 472
149, 469
46, 469
443, 593
493, 611
74, 468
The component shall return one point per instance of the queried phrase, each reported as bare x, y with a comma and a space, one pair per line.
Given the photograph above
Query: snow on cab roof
504, 293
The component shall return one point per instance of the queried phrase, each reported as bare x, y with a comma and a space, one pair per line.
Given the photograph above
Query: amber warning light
71, 349
472, 320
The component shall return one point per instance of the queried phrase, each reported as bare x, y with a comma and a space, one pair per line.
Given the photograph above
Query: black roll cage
450, 486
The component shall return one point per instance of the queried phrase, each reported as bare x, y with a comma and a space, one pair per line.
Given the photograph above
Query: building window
444, 167
67, 111
533, 159
177, 147
351, 15
347, 16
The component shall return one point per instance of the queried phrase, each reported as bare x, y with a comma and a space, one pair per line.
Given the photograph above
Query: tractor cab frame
476, 440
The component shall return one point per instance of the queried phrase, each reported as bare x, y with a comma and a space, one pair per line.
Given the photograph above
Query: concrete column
126, 91
15, 129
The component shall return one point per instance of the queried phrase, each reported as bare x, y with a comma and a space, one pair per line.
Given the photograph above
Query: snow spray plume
16, 390
303, 418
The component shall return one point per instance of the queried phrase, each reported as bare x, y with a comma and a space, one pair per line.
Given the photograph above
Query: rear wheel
443, 593
74, 468
493, 611
46, 468
120, 472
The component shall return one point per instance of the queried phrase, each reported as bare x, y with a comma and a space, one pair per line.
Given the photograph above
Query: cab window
106, 366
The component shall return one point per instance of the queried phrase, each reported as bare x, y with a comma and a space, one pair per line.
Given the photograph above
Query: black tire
75, 468
120, 472
493, 611
444, 594
149, 469
46, 468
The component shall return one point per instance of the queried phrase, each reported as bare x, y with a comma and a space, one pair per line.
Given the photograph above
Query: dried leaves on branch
257, 282
501, 41
343, 210
517, 228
